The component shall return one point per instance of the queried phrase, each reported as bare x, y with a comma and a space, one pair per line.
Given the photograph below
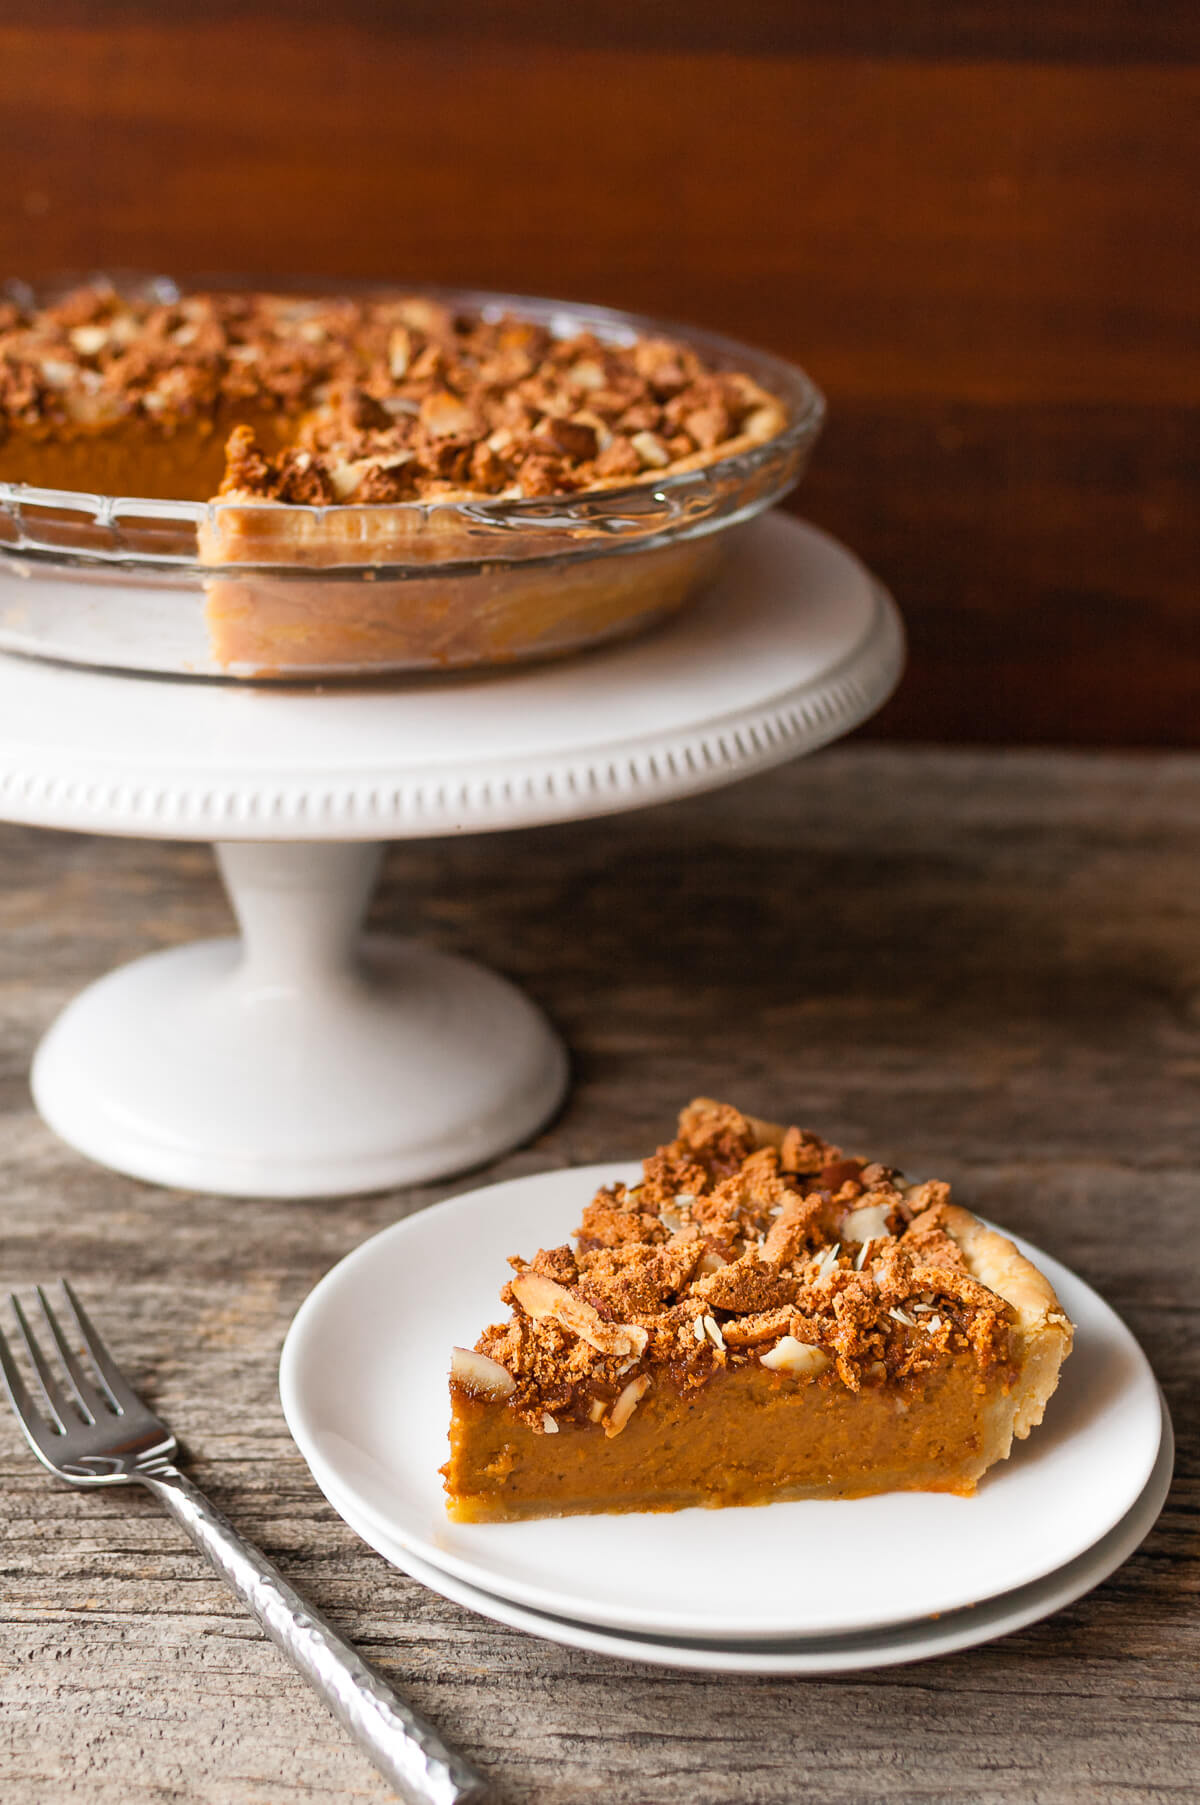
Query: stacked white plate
813, 1587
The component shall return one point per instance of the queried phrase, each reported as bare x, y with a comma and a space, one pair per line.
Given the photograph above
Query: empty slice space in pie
759, 1318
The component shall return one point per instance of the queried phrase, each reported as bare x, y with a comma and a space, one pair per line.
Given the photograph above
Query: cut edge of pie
793, 1324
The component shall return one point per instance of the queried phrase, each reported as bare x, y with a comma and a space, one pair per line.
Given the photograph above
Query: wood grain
978, 232
975, 225
1089, 31
984, 965
1045, 559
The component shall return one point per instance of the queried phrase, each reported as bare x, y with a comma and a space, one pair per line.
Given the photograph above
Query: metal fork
91, 1428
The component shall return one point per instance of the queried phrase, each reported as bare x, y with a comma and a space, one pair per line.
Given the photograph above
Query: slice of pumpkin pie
759, 1318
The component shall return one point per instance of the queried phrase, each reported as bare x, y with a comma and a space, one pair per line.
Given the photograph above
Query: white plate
844, 1654
363, 1383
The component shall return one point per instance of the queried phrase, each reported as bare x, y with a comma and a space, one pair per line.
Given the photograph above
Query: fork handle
402, 1745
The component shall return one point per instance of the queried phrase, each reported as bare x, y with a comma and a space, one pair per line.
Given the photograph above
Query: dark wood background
976, 224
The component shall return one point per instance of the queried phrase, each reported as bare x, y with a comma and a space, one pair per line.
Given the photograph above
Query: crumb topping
383, 399
736, 1248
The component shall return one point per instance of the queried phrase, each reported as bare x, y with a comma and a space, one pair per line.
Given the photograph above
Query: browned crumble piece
247, 466
747, 1287
388, 482
555, 1262
803, 1152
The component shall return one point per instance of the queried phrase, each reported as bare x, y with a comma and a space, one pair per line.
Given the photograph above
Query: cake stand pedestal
304, 1059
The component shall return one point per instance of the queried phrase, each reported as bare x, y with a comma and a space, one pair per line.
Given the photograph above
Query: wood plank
1087, 31
1044, 560
976, 232
983, 963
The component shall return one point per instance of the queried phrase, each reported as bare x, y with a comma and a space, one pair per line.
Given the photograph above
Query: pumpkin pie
761, 1317
333, 434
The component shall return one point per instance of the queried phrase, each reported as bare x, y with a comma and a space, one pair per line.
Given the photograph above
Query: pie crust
761, 1318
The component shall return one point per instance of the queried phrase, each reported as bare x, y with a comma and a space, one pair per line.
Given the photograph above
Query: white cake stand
303, 1060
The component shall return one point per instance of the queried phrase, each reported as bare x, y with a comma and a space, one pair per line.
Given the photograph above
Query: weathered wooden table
986, 966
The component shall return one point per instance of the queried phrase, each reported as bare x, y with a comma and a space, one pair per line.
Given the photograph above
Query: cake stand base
305, 1062
299, 1061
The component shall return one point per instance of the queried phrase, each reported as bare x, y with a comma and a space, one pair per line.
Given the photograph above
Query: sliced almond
712, 1329
866, 1224
540, 1296
346, 477
797, 1357
399, 352
586, 374
421, 315
445, 416
58, 373
763, 423
826, 1262
481, 1376
626, 1404
651, 450
87, 340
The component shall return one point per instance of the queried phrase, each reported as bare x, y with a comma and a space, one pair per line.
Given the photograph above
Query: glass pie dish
283, 590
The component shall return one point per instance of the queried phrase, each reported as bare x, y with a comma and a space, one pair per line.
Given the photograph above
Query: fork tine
52, 1393
121, 1394
87, 1395
27, 1411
